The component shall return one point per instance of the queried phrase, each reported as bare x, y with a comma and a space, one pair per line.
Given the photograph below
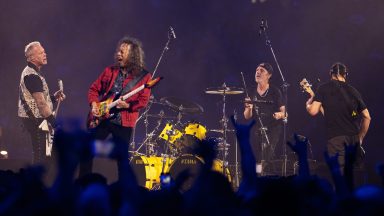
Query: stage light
3, 154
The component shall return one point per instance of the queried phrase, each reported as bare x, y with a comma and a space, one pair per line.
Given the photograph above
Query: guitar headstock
61, 86
306, 86
153, 82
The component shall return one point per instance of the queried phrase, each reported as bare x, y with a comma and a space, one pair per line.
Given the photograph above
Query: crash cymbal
161, 116
224, 90
182, 105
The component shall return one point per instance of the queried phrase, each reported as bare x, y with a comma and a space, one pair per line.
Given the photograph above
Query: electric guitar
48, 129
104, 107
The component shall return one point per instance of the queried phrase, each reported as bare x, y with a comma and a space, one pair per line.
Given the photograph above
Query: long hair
136, 57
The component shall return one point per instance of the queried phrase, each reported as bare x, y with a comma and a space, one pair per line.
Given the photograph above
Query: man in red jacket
126, 74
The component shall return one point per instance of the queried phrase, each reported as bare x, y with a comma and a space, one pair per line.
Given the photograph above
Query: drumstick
245, 85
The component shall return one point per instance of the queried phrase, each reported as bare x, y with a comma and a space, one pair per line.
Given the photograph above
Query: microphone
172, 32
263, 26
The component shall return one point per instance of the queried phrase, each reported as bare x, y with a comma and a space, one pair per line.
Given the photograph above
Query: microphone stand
171, 35
263, 29
166, 48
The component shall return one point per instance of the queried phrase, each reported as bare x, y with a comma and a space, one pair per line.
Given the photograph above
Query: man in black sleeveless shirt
35, 100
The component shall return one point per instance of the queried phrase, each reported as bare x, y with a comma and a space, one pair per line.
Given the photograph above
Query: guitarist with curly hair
111, 112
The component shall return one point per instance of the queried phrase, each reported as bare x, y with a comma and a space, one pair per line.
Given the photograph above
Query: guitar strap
133, 82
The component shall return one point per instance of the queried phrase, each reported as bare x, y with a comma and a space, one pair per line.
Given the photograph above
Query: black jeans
38, 140
336, 145
101, 132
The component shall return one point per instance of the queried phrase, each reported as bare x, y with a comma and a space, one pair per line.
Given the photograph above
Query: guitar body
103, 113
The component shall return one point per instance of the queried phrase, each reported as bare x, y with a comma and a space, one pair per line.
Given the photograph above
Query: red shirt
101, 86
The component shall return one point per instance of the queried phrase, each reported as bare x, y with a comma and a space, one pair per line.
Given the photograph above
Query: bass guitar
104, 107
306, 87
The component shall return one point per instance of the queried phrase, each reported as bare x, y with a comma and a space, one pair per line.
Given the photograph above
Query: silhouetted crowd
25, 193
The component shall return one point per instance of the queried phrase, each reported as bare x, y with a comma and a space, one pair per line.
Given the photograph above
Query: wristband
51, 119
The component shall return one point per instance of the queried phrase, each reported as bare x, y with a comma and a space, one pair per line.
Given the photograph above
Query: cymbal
182, 106
258, 101
224, 90
222, 145
161, 116
220, 130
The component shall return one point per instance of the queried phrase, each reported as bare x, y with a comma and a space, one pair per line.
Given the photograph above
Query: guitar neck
126, 96
310, 92
57, 108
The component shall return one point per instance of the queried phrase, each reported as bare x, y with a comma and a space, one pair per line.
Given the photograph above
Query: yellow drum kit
179, 140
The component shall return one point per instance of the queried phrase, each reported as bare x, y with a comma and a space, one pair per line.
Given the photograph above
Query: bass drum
193, 163
148, 169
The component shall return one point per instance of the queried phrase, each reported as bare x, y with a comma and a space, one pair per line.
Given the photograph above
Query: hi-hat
182, 106
224, 90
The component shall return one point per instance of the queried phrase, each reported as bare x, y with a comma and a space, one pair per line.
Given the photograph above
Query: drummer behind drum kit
177, 141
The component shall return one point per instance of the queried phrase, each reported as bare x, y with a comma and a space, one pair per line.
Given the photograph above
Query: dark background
216, 40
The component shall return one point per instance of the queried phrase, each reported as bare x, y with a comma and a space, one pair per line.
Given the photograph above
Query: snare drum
193, 164
148, 169
195, 129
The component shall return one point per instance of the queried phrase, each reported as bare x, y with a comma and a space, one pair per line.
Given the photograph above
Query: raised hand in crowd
338, 178
248, 161
300, 148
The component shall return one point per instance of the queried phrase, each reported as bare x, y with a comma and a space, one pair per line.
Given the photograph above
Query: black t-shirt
339, 108
33, 83
266, 110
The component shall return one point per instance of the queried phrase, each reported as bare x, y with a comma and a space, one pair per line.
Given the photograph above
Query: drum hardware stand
164, 156
263, 28
224, 122
144, 114
236, 156
264, 138
179, 115
148, 137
